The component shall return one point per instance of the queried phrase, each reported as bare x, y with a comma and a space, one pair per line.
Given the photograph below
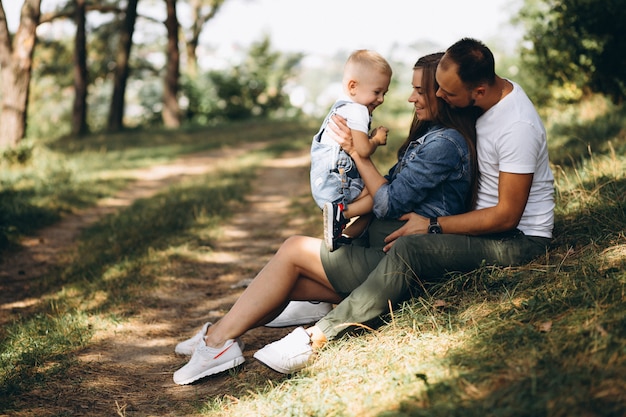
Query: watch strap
434, 227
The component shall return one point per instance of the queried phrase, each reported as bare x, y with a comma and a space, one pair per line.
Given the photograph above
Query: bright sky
321, 26
326, 26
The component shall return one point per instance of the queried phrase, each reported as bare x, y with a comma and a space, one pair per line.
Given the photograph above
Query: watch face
434, 228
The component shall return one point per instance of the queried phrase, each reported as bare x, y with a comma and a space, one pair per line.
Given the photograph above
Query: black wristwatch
434, 226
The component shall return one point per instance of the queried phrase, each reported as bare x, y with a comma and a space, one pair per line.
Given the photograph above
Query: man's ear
479, 92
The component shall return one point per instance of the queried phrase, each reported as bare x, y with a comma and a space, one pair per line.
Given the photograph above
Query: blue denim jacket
432, 178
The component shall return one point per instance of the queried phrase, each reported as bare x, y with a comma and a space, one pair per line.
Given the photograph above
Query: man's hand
415, 225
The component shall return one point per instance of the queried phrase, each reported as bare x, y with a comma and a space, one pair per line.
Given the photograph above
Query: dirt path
128, 369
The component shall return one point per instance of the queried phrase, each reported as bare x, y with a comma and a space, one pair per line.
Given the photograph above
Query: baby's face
370, 89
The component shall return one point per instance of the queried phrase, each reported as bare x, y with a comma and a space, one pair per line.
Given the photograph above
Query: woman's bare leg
302, 292
295, 271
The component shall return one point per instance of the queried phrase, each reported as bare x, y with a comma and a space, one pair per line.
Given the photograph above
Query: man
511, 224
516, 183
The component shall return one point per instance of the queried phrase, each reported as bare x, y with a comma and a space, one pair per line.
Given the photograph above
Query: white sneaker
188, 346
301, 312
289, 354
207, 361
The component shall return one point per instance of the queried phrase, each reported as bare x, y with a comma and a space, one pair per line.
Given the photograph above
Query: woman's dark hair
461, 119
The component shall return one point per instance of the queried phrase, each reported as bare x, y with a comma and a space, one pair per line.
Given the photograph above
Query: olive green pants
369, 279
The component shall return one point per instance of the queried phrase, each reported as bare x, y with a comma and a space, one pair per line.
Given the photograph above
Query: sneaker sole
267, 361
328, 222
215, 370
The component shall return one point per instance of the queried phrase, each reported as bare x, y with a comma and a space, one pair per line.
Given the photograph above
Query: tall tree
171, 108
122, 68
77, 11
16, 56
79, 110
577, 43
201, 12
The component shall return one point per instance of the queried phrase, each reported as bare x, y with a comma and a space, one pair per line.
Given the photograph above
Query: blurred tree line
573, 48
119, 66
97, 62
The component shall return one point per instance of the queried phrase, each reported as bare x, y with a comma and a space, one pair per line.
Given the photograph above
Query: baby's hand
379, 135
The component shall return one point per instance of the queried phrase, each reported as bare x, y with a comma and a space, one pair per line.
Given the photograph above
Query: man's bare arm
513, 192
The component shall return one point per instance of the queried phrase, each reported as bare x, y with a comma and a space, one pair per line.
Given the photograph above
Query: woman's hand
414, 225
341, 133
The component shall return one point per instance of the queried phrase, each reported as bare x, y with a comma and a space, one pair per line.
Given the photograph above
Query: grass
69, 174
120, 256
544, 339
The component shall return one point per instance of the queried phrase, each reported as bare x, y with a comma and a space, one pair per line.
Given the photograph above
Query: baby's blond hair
366, 60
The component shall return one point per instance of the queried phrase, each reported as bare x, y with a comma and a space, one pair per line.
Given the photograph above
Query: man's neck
500, 89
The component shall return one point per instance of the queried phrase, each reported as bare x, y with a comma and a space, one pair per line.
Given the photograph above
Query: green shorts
349, 265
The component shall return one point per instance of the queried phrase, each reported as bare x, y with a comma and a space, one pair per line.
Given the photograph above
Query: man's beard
470, 104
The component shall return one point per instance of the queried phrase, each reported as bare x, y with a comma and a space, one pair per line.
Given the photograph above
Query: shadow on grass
171, 144
582, 137
66, 176
559, 352
25, 210
556, 348
595, 219
106, 275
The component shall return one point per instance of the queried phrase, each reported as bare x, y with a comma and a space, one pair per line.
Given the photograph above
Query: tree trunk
16, 60
199, 18
116, 113
79, 110
192, 59
171, 108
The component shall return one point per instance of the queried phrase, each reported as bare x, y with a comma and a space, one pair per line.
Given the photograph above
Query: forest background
91, 98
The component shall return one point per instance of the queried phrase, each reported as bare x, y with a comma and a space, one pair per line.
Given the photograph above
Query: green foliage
21, 154
51, 92
51, 88
254, 88
575, 47
54, 58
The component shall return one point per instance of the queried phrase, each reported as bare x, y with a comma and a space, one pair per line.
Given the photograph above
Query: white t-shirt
511, 138
357, 116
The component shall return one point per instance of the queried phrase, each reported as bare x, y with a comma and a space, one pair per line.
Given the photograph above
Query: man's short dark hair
475, 62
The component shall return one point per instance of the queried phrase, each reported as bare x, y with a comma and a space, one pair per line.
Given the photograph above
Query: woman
434, 176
